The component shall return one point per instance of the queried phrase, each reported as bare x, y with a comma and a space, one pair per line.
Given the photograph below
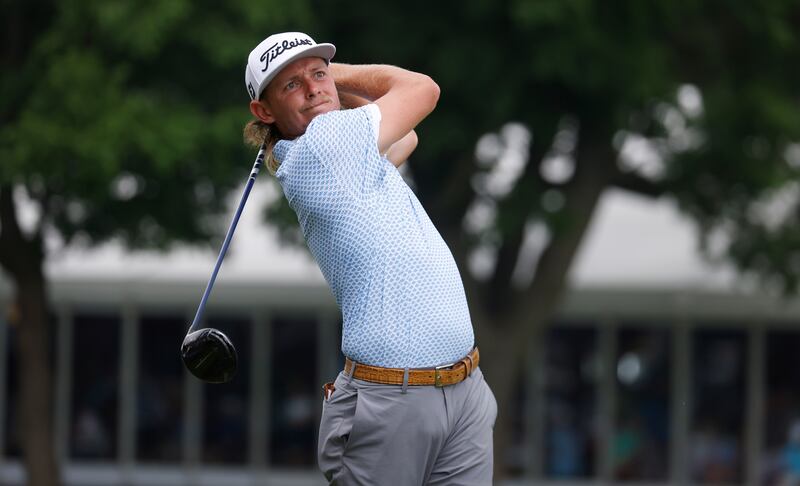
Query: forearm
399, 151
368, 81
350, 100
404, 97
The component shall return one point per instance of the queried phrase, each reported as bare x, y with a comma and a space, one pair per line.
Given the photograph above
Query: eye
320, 74
291, 85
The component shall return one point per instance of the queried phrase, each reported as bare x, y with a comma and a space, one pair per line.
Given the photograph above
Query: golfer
411, 406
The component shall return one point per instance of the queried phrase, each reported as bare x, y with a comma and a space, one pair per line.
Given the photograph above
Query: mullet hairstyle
257, 132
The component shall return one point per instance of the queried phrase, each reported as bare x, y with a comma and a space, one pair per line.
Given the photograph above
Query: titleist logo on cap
277, 49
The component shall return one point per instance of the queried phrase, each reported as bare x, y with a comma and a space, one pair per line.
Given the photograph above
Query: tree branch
10, 232
454, 197
19, 253
638, 184
596, 168
498, 291
518, 206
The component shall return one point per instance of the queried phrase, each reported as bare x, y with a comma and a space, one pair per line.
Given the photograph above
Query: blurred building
658, 369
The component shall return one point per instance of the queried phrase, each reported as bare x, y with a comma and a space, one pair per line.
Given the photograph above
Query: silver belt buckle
438, 376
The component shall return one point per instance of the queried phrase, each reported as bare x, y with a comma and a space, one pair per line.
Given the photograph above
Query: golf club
208, 353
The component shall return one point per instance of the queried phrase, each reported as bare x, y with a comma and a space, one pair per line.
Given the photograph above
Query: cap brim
325, 51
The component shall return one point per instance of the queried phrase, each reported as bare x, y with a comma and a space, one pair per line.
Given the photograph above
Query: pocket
327, 391
336, 424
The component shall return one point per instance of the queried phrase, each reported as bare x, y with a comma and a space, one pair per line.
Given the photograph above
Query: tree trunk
22, 257
502, 372
506, 339
503, 364
35, 381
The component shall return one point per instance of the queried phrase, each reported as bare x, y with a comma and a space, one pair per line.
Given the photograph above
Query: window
640, 444
295, 392
782, 409
95, 392
12, 419
225, 410
160, 389
717, 421
516, 412
570, 402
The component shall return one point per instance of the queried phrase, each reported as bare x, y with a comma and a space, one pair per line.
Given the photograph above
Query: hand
404, 97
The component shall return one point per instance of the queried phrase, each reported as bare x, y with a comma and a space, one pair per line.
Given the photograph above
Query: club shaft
250, 181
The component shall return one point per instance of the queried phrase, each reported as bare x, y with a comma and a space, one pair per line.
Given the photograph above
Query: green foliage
614, 68
123, 118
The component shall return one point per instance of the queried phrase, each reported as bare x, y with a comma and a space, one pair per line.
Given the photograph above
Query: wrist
368, 81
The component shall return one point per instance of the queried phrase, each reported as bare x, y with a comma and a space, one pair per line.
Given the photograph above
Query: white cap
274, 53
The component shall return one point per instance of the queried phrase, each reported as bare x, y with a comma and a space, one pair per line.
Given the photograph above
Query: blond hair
257, 132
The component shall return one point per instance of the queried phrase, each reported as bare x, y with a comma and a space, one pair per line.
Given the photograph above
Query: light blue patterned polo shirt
393, 276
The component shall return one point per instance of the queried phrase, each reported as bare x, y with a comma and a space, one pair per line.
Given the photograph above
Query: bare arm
399, 151
350, 100
404, 97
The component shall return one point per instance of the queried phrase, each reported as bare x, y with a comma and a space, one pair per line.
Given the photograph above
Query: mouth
312, 107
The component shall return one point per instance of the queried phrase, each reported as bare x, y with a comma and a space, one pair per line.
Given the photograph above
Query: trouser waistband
439, 376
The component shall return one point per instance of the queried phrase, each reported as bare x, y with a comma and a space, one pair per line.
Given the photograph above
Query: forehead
298, 67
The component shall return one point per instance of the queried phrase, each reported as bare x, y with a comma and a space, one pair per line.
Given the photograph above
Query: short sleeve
375, 116
346, 143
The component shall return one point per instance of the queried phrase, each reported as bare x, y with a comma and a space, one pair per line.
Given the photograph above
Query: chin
328, 107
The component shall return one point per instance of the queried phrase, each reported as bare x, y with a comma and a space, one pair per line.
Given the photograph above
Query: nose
313, 88
312, 91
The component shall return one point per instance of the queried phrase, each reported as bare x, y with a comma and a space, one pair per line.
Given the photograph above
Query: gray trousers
373, 434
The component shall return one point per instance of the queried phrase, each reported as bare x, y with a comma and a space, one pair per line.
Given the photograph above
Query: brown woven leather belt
440, 376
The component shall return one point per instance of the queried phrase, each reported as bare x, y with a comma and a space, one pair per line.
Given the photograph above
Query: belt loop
352, 372
405, 380
471, 365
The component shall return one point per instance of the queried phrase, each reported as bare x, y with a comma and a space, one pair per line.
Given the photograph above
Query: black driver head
209, 355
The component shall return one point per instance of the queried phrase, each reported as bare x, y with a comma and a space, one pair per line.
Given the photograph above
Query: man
411, 406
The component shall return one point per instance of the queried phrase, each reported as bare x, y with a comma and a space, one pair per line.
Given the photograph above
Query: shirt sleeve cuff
374, 114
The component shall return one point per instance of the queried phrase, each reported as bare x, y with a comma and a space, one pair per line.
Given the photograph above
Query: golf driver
208, 353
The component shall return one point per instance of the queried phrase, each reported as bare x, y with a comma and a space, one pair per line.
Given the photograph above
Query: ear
260, 110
